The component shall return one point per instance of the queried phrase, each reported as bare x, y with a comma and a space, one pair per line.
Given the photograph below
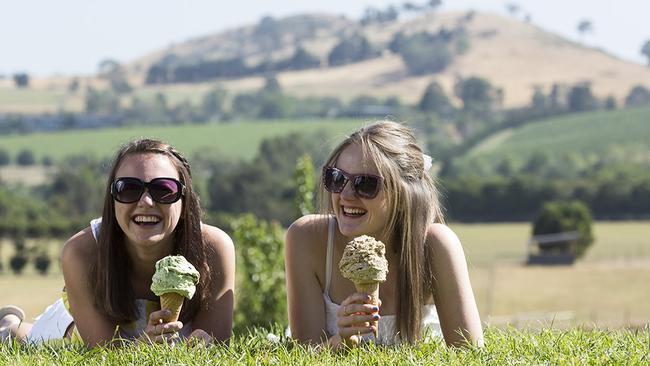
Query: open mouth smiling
146, 220
353, 211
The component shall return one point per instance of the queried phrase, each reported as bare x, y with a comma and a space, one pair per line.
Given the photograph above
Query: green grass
236, 140
622, 136
502, 347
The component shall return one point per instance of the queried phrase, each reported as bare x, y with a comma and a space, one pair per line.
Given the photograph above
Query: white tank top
386, 333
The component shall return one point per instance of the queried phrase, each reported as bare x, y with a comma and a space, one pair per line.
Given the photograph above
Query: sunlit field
607, 288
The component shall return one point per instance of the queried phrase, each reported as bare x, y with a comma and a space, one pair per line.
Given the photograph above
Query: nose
145, 199
348, 191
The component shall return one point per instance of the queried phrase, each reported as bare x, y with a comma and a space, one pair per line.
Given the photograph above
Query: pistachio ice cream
174, 281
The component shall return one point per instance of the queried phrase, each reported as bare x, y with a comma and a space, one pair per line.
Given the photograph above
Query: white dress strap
330, 251
95, 226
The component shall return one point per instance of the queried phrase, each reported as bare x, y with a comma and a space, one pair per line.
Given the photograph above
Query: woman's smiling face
146, 222
355, 215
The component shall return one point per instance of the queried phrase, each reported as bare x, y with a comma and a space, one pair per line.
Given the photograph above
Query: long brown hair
412, 205
111, 270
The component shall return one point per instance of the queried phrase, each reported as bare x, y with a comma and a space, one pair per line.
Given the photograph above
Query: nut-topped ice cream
175, 279
364, 263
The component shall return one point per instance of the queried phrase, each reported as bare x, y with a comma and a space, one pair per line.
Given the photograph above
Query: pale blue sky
72, 36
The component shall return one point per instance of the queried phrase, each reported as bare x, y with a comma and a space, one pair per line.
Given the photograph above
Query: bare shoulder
307, 232
444, 241
79, 250
217, 238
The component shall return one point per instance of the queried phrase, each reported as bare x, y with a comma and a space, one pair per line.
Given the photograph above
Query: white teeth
353, 211
141, 218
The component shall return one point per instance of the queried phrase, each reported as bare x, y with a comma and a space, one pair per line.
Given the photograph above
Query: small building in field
552, 249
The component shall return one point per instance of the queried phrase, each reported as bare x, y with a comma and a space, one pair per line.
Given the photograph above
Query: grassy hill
236, 140
515, 56
621, 136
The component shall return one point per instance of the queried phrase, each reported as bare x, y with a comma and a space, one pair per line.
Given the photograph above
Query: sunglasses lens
366, 186
128, 190
334, 180
164, 190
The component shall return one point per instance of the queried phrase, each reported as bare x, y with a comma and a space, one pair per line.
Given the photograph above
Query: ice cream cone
172, 302
372, 289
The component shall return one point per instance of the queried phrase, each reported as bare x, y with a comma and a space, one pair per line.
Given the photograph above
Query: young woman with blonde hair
376, 182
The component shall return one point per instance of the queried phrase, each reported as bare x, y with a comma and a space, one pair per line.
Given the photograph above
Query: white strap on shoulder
330, 251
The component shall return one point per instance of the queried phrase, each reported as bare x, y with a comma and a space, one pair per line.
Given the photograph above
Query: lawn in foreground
503, 347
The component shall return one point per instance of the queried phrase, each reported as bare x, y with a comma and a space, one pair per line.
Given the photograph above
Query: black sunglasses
161, 190
364, 185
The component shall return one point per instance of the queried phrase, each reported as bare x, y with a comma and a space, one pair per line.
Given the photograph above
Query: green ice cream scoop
175, 274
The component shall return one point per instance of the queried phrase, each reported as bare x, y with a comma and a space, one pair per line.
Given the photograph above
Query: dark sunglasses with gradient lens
161, 190
364, 185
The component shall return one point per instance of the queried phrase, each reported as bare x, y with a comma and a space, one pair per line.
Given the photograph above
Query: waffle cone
172, 302
372, 289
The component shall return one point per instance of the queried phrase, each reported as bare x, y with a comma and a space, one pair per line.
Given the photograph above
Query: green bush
25, 158
261, 295
5, 159
562, 216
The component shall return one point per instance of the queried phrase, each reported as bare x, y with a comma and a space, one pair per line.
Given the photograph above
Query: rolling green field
608, 288
621, 136
236, 140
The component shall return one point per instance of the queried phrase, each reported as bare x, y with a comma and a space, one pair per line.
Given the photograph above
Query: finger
163, 328
156, 317
356, 298
349, 309
355, 331
356, 320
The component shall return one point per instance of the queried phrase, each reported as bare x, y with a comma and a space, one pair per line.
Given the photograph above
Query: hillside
617, 137
515, 56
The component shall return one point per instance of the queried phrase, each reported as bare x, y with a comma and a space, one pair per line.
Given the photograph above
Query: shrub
4, 157
261, 295
561, 216
25, 158
42, 263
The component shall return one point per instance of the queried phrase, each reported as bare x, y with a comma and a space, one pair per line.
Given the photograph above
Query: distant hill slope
621, 136
513, 55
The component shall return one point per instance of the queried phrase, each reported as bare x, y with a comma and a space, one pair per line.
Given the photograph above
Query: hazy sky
72, 36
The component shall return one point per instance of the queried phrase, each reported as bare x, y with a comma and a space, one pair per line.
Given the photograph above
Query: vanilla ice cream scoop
364, 260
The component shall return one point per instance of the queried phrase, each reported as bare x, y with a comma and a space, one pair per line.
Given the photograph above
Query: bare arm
78, 252
454, 299
215, 320
305, 254
304, 291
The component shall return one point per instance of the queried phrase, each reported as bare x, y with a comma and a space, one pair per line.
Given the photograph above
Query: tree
434, 99
260, 281
476, 94
584, 27
21, 80
25, 158
349, 50
638, 96
5, 159
423, 55
561, 216
113, 72
645, 50
581, 99
212, 102
513, 9
304, 181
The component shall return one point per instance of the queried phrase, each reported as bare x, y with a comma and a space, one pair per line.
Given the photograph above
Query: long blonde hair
412, 201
